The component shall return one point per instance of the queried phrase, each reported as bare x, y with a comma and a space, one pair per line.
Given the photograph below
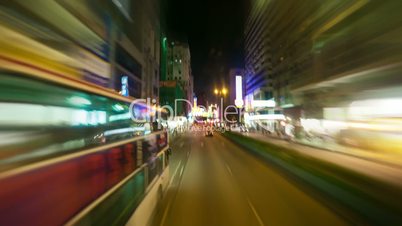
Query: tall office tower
318, 56
179, 80
258, 55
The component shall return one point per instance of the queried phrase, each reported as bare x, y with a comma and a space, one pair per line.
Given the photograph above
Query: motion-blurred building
325, 57
179, 80
113, 44
258, 55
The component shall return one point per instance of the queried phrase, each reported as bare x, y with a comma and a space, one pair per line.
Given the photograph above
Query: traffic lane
181, 147
207, 194
276, 199
222, 185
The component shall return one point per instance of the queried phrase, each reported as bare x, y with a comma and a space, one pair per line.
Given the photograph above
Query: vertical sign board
124, 86
239, 92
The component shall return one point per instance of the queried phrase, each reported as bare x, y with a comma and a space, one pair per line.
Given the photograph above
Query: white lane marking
223, 144
170, 201
229, 170
188, 154
175, 172
181, 171
181, 144
165, 213
202, 144
255, 212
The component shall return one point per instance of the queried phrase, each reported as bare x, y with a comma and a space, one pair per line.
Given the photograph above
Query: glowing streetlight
216, 91
224, 91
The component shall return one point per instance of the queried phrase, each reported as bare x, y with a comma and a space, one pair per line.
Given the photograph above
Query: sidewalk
393, 160
381, 167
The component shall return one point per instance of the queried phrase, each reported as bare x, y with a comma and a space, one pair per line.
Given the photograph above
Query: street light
222, 94
224, 91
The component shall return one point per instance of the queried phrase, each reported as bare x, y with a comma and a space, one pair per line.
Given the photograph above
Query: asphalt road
216, 183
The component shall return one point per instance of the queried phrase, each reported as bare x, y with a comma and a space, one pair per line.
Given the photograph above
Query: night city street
200, 113
215, 182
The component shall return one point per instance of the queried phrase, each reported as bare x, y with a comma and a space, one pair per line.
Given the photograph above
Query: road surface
216, 183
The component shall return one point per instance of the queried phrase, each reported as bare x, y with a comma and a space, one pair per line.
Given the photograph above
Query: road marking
202, 144
181, 171
229, 170
171, 200
175, 172
255, 212
181, 144
165, 213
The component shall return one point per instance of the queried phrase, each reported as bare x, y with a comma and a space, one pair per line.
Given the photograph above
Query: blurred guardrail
99, 186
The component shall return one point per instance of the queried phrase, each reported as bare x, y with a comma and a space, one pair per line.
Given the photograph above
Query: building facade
113, 44
258, 54
179, 80
318, 59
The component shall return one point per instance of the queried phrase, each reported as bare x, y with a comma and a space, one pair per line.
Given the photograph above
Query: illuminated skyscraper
258, 58
179, 80
316, 55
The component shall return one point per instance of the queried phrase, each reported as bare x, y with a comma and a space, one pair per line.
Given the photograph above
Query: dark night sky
214, 30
